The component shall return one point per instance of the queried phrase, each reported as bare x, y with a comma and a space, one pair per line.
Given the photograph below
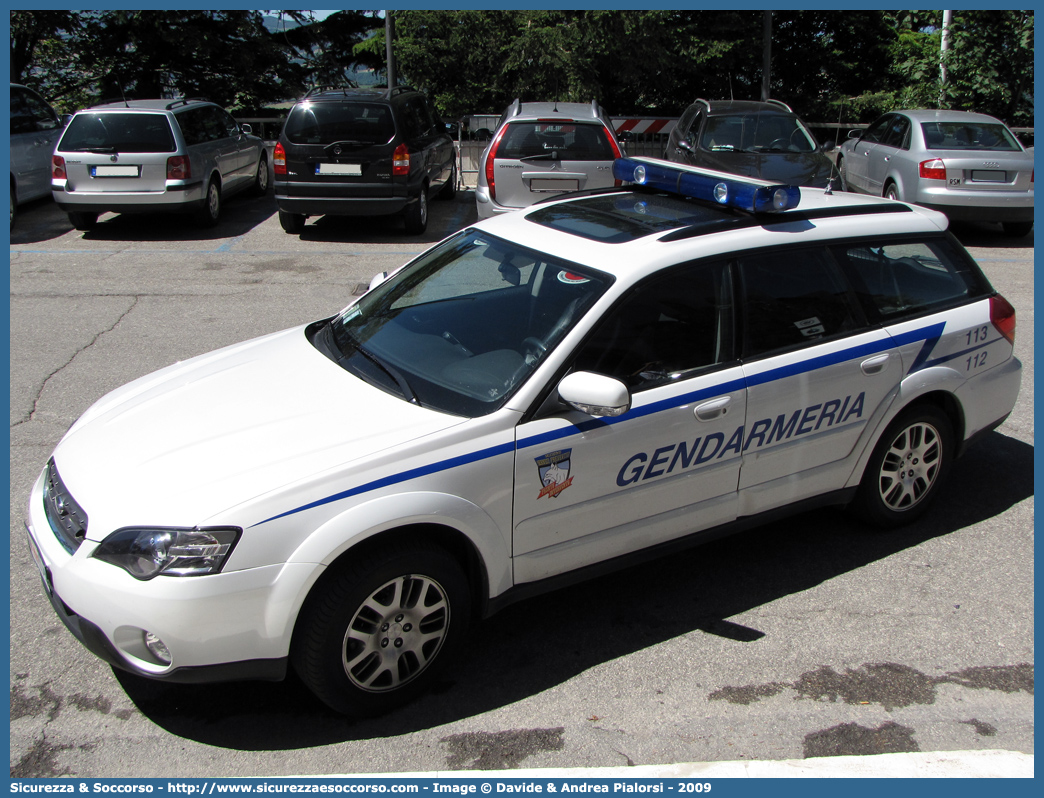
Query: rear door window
116, 132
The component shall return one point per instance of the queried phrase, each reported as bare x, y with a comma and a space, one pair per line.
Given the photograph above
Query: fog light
157, 647
721, 192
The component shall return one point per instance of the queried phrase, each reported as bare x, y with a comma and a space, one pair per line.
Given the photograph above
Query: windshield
118, 132
461, 327
756, 133
968, 136
340, 121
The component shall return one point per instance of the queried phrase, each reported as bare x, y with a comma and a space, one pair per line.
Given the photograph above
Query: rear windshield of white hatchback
572, 141
116, 133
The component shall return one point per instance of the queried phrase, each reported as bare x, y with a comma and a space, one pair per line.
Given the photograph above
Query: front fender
360, 522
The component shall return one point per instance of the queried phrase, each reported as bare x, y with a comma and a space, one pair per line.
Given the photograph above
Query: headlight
145, 553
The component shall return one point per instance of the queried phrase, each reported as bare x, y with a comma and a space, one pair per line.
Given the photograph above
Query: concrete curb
933, 765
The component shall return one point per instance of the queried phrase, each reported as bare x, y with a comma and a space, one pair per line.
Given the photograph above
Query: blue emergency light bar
724, 189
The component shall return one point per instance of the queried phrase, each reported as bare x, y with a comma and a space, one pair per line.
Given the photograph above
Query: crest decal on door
553, 468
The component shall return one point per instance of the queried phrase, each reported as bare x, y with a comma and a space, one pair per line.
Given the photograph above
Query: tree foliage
827, 65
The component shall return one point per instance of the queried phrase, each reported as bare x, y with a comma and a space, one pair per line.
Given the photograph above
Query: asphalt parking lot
808, 637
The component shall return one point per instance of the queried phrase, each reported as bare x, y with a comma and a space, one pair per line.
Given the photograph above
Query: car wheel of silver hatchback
891, 192
908, 465
210, 213
376, 632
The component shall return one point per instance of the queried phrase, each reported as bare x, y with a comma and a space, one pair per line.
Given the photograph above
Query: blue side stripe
930, 335
403, 476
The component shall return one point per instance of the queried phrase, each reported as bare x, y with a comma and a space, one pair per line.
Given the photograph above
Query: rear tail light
279, 159
490, 181
179, 168
615, 146
1002, 314
58, 167
934, 169
401, 161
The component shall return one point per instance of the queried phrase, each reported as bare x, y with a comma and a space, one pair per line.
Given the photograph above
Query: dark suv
766, 140
362, 152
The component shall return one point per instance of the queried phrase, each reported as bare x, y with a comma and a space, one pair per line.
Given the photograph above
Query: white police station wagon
547, 395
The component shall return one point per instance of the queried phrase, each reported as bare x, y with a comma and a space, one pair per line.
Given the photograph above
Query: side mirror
245, 128
855, 134
685, 144
377, 279
827, 146
594, 394
66, 119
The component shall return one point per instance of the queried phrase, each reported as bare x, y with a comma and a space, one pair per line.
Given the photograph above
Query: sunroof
619, 218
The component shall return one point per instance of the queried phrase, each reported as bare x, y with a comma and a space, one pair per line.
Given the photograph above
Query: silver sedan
969, 166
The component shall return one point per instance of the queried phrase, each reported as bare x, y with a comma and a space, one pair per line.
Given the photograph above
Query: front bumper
227, 626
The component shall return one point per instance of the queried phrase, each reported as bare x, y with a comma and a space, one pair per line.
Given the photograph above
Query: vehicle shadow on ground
239, 215
538, 644
982, 234
444, 218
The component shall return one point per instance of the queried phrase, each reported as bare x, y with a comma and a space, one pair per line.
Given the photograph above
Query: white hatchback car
546, 395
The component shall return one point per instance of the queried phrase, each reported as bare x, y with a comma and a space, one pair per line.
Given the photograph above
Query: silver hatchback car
154, 156
969, 166
542, 149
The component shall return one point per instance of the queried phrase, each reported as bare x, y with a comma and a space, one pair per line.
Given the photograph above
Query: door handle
876, 364
715, 408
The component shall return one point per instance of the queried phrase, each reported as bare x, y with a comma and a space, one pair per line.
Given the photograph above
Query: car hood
176, 447
792, 169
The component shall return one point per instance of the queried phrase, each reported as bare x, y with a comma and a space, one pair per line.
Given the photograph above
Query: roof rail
397, 89
343, 87
782, 105
514, 109
186, 101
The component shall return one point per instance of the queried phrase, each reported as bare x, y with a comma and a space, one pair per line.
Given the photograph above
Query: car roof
148, 105
520, 111
724, 107
934, 115
583, 229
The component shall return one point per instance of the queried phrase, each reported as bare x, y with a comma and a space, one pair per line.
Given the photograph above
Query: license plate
545, 184
350, 169
115, 171
45, 577
984, 176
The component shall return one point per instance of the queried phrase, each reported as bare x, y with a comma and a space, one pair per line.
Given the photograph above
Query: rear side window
571, 141
116, 132
902, 279
794, 298
329, 122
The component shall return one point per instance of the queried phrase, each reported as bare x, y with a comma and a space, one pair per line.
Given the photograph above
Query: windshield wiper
542, 156
388, 369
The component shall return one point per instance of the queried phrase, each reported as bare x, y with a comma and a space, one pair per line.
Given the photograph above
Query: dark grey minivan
151, 156
355, 151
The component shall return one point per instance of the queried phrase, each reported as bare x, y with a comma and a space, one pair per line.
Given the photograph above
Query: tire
892, 192
842, 173
1017, 229
365, 643
210, 213
14, 206
260, 187
909, 464
82, 220
416, 213
449, 191
291, 222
